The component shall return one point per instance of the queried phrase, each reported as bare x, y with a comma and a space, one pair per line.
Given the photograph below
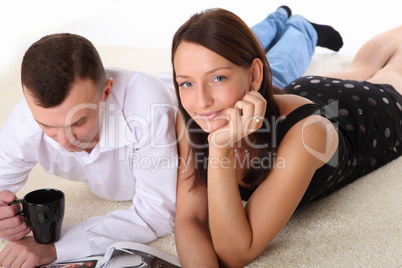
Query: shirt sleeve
154, 203
17, 153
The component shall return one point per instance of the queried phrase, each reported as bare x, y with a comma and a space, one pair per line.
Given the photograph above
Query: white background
150, 23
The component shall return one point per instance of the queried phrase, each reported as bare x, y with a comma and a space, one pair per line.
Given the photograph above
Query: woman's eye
219, 78
186, 84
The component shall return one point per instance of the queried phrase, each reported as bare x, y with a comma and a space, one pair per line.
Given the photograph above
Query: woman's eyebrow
209, 72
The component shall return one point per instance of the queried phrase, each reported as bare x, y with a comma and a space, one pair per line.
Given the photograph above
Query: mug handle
17, 201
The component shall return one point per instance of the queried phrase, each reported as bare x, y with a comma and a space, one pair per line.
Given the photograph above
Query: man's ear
257, 74
108, 89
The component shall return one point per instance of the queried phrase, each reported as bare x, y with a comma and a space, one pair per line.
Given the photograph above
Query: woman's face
208, 84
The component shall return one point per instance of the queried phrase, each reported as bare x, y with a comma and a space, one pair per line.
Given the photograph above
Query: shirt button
97, 183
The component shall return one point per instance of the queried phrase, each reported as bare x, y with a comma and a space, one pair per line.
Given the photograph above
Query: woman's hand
246, 117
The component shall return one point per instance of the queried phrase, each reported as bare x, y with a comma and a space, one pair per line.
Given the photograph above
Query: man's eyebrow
72, 124
79, 120
40, 123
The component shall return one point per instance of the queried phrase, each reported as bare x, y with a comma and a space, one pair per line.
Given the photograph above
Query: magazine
123, 255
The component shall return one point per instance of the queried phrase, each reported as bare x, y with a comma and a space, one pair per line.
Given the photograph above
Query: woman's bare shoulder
289, 102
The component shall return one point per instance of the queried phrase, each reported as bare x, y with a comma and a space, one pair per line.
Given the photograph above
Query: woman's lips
209, 116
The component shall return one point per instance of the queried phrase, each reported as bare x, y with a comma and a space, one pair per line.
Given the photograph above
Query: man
114, 129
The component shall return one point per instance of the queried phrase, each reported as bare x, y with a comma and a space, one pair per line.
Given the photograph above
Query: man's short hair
51, 65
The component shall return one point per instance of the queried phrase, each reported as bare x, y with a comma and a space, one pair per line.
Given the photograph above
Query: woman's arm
240, 235
193, 240
229, 226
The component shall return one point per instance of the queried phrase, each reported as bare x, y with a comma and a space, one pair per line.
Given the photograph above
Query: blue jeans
289, 43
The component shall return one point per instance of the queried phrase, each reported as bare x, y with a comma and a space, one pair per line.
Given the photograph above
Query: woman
240, 139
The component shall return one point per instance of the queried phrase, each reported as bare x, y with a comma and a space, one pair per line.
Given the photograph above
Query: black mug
44, 212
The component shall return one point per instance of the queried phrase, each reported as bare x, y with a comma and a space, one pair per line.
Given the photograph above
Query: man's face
75, 123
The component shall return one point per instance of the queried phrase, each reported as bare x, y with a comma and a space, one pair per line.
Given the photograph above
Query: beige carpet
357, 226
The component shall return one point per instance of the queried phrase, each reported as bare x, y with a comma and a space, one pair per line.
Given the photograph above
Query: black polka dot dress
368, 118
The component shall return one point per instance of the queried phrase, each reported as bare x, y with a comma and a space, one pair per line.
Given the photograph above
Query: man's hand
26, 253
12, 226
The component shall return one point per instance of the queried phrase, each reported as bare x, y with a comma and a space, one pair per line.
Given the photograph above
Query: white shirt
135, 159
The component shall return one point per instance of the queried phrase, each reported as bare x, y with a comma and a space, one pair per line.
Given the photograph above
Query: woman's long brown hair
224, 33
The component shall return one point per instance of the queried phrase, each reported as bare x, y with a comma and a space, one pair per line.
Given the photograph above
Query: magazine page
90, 262
130, 254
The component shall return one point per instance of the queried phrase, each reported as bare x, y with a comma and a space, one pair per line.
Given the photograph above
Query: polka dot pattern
369, 122
371, 101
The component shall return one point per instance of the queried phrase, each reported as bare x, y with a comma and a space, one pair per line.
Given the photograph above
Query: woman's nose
205, 97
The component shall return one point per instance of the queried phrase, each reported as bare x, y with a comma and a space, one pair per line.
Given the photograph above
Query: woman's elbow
233, 261
234, 255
